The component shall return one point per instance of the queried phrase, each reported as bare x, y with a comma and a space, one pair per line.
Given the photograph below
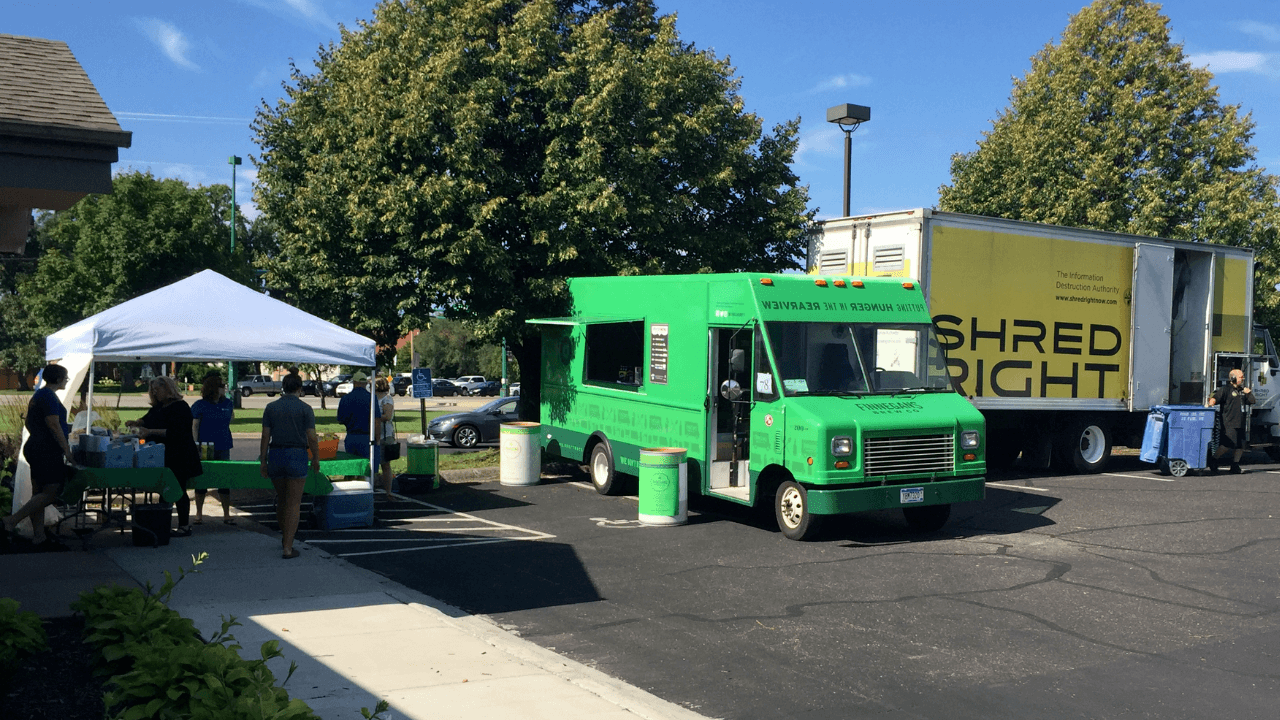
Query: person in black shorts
1231, 400
288, 431
47, 451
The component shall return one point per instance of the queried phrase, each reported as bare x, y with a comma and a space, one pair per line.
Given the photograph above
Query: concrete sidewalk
356, 636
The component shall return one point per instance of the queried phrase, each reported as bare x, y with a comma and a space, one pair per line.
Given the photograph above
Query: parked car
490, 387
401, 384
468, 429
514, 389
251, 384
469, 382
311, 387
331, 385
444, 388
344, 388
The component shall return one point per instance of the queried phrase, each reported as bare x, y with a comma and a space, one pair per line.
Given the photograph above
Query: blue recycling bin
1178, 437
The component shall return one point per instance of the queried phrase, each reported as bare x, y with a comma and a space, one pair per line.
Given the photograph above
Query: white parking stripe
1142, 477
1017, 487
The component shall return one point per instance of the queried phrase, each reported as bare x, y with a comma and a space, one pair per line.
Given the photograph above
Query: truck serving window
857, 358
615, 353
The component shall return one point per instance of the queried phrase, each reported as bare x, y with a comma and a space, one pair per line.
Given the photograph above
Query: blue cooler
349, 505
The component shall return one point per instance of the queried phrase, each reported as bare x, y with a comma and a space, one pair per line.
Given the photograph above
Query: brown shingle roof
45, 93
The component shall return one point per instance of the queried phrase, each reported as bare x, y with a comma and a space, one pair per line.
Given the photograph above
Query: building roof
44, 93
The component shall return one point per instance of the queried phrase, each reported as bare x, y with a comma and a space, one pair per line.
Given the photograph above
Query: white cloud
1261, 30
311, 12
839, 82
169, 39
824, 143
1225, 61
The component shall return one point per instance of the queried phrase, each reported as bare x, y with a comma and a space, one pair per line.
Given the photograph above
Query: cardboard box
150, 455
119, 456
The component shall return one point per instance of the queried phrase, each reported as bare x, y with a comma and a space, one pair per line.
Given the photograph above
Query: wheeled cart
1179, 438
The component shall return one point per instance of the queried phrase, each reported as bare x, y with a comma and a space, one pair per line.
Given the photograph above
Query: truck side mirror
738, 360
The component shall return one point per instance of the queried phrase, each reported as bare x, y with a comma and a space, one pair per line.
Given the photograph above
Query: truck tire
1084, 446
1273, 452
246, 392
791, 509
271, 394
929, 518
1003, 449
604, 476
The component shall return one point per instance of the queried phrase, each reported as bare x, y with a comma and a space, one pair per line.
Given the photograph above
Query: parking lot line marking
338, 541
1017, 487
1142, 477
430, 547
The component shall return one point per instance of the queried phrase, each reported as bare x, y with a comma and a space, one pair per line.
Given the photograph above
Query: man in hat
353, 412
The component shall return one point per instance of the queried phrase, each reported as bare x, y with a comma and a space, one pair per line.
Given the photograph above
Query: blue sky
187, 77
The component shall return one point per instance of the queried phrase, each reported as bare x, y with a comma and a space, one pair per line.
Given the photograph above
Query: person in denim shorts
288, 431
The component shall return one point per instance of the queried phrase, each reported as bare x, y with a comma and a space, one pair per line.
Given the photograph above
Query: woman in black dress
47, 452
169, 422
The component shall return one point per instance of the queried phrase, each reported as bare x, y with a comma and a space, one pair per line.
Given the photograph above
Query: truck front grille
909, 455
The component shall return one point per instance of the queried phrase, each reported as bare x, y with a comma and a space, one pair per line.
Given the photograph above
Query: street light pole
233, 161
848, 117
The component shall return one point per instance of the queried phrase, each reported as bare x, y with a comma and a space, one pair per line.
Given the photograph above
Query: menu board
658, 353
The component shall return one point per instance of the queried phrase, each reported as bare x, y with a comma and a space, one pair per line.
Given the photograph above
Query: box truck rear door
1149, 339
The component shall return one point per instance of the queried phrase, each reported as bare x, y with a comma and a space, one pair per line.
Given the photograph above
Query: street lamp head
233, 160
848, 116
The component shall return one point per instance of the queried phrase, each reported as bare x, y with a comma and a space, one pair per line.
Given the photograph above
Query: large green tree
1113, 129
106, 249
466, 156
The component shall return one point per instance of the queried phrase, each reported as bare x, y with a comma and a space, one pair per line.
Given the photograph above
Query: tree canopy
466, 157
1113, 129
106, 249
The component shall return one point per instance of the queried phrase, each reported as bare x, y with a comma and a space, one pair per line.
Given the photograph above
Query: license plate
911, 495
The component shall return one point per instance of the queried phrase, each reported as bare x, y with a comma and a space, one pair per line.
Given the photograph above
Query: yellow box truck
1065, 338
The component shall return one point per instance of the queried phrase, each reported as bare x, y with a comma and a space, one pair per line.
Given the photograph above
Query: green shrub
161, 668
21, 634
203, 682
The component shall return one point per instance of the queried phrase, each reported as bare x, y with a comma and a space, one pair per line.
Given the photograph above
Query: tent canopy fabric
209, 318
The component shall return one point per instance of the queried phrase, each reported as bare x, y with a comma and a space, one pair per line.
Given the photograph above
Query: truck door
729, 406
1149, 337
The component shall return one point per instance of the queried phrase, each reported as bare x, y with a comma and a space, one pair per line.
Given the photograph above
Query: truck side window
615, 354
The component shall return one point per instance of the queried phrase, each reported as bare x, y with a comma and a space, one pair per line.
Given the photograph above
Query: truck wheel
271, 394
465, 436
246, 392
929, 518
791, 508
1083, 447
1273, 452
603, 475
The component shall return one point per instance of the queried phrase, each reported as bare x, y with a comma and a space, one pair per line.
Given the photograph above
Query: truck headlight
842, 445
969, 440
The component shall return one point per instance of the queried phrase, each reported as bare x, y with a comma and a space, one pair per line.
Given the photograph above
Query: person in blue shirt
47, 451
211, 423
353, 412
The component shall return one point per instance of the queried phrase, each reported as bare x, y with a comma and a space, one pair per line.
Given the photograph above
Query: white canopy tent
204, 318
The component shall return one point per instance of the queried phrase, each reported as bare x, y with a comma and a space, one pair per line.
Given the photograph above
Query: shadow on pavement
496, 577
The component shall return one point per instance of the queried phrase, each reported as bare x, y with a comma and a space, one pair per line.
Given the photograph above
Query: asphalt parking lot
1127, 594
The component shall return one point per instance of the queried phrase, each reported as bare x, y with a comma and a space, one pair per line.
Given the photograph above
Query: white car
343, 388
469, 382
514, 388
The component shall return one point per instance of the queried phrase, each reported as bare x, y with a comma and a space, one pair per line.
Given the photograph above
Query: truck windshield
857, 358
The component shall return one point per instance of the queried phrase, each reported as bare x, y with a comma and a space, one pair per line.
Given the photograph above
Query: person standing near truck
1231, 400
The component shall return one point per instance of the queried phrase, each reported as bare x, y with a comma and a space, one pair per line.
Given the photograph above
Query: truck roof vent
833, 262
888, 258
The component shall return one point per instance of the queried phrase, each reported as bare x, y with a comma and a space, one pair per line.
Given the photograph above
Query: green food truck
820, 395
